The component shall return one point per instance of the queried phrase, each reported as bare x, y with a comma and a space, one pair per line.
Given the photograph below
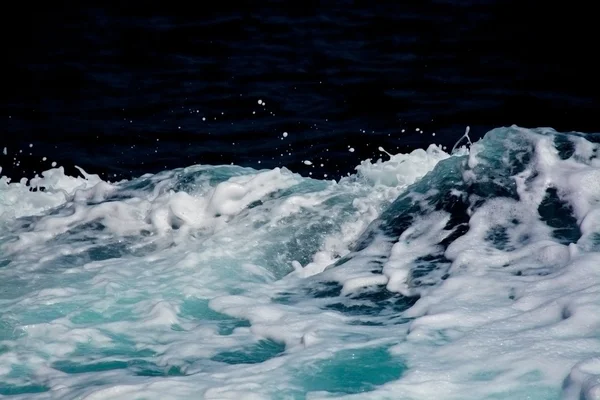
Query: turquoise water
427, 275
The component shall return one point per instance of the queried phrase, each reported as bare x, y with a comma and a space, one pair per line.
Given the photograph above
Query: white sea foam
219, 282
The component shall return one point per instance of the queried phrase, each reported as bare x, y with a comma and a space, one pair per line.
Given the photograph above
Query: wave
470, 275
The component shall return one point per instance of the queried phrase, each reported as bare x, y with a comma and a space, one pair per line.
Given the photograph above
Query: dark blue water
132, 88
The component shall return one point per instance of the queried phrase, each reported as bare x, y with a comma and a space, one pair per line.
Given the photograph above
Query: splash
469, 275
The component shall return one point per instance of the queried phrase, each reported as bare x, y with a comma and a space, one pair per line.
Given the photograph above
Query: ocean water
268, 201
471, 274
131, 88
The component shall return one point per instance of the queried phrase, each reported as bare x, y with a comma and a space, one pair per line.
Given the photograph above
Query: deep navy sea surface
300, 200
133, 87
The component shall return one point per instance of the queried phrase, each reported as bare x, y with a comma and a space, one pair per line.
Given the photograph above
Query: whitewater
427, 275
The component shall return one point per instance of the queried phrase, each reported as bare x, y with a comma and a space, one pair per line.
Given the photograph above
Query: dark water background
123, 88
